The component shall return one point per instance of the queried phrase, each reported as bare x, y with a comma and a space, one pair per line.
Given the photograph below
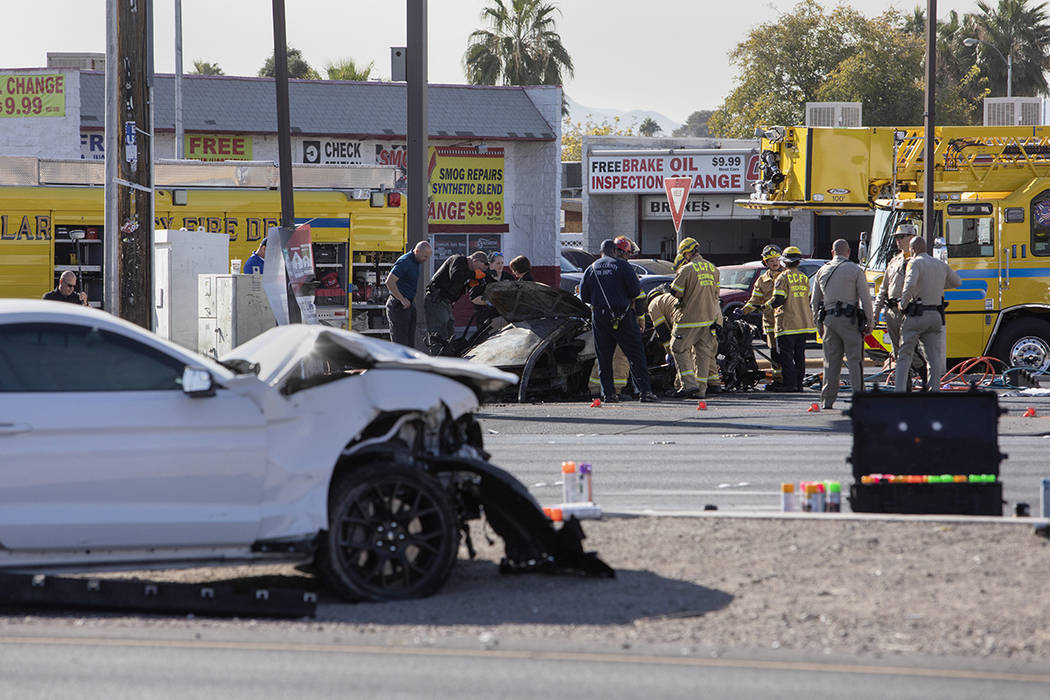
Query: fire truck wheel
1025, 343
391, 534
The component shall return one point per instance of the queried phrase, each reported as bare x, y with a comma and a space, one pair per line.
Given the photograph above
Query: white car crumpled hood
278, 349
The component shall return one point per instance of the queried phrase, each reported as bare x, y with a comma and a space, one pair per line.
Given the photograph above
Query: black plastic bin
936, 433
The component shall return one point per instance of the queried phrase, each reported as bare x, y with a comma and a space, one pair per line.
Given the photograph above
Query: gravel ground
714, 584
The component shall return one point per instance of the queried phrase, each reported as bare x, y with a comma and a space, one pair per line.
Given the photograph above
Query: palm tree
347, 69
205, 68
649, 127
1021, 32
520, 46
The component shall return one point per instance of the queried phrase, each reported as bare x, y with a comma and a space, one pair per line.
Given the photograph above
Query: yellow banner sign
466, 189
33, 95
218, 147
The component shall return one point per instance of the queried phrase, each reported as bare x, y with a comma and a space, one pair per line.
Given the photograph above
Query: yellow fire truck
992, 216
357, 223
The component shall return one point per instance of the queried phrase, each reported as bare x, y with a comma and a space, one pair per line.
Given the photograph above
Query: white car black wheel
392, 534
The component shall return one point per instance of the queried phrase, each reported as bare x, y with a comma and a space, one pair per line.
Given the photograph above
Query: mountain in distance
579, 113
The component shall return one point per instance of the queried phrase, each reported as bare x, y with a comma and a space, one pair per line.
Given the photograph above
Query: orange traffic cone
702, 406
813, 408
597, 403
1030, 413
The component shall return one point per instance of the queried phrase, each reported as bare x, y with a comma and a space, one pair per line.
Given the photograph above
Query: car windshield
567, 266
737, 277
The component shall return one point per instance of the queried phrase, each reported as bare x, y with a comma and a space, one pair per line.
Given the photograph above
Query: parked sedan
306, 444
737, 281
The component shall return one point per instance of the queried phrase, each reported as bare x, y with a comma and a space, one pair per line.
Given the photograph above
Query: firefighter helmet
771, 251
688, 245
792, 254
626, 245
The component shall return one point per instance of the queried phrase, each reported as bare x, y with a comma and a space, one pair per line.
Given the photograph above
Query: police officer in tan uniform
922, 300
887, 301
761, 295
792, 318
694, 344
843, 310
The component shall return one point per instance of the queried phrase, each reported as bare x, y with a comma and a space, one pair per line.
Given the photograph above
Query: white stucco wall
43, 137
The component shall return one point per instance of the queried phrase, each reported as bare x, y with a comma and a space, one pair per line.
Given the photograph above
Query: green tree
892, 96
783, 64
519, 45
695, 125
960, 84
649, 127
572, 134
205, 68
347, 69
1022, 31
297, 67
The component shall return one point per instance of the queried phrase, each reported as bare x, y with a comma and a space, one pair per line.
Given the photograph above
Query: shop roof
329, 107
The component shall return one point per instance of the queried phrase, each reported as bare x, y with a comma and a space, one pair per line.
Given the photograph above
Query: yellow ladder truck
51, 220
992, 217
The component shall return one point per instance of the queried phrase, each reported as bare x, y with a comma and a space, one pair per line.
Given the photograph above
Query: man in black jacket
444, 289
67, 290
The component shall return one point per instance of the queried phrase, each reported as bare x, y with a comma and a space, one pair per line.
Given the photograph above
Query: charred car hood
280, 349
525, 301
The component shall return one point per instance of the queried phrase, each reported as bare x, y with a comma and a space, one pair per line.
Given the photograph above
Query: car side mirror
196, 382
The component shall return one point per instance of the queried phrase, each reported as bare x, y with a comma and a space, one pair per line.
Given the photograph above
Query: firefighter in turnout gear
888, 300
663, 313
922, 300
761, 295
621, 367
842, 308
694, 344
792, 319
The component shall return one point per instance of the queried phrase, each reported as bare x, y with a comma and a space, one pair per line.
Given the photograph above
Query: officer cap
905, 229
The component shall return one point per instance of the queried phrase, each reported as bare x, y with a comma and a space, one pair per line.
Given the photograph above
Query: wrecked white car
306, 445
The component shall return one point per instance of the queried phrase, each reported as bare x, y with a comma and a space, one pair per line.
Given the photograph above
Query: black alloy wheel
392, 534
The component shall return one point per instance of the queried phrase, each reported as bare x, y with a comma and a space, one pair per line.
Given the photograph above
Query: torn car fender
529, 537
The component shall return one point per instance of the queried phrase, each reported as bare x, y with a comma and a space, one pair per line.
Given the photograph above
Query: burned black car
546, 341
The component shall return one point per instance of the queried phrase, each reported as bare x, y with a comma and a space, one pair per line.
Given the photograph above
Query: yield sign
677, 189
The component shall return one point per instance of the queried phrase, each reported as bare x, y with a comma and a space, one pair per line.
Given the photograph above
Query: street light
1008, 60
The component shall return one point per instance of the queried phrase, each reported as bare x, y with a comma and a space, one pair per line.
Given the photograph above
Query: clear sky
668, 56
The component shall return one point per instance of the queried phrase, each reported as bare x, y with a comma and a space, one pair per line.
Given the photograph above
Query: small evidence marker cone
813, 408
1029, 413
597, 403
702, 406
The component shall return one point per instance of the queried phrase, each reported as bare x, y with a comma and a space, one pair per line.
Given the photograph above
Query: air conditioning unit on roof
1015, 111
833, 113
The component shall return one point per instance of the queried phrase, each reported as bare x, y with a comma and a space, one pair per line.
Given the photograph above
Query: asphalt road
670, 457
259, 667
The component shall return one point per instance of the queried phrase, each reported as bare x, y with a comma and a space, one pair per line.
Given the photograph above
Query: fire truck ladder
977, 159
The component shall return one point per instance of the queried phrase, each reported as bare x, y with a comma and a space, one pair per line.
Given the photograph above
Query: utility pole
129, 162
178, 81
929, 230
416, 138
284, 147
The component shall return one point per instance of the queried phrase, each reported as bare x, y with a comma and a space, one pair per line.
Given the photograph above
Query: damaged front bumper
532, 544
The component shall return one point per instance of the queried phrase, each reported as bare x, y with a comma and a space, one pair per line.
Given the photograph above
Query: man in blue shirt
403, 281
610, 287
254, 264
